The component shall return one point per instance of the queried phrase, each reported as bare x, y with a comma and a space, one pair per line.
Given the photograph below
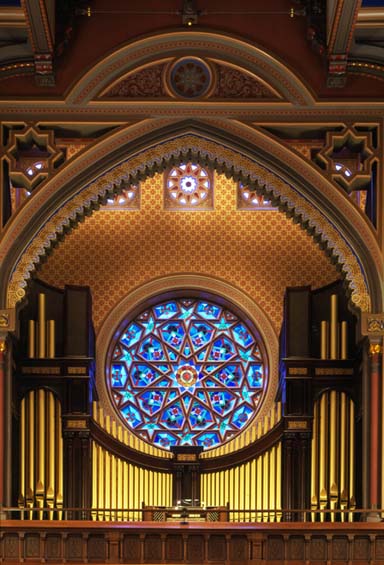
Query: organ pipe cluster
333, 452
41, 334
334, 335
119, 489
252, 490
250, 435
41, 455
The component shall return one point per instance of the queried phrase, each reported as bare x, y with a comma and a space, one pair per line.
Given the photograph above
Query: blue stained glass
118, 376
151, 349
230, 376
165, 440
208, 440
165, 311
173, 334
132, 415
200, 417
142, 375
222, 402
242, 335
132, 334
151, 401
208, 311
241, 416
201, 334
173, 416
255, 375
186, 372
222, 350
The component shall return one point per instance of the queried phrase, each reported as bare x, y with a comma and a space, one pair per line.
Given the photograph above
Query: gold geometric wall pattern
259, 252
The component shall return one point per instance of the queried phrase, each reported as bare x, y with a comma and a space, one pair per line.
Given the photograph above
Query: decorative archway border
233, 148
198, 283
190, 42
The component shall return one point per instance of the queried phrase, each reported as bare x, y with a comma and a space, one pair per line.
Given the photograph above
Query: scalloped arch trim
156, 158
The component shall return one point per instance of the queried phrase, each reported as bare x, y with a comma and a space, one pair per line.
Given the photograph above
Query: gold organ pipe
333, 328
278, 481
334, 491
323, 456
266, 480
107, 480
259, 491
253, 497
23, 454
51, 339
343, 454
241, 491
40, 479
315, 461
114, 487
141, 487
272, 481
344, 340
324, 340
247, 482
95, 481
59, 460
125, 491
352, 501
51, 454
101, 481
31, 339
41, 326
131, 480
30, 484
120, 486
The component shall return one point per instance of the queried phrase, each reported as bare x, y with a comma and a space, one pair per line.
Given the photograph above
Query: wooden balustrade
204, 543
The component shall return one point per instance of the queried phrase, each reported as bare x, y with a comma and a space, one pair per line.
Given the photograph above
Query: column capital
372, 325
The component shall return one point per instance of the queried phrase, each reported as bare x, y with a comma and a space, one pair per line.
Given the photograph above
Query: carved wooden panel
74, 546
379, 548
217, 550
296, 548
152, 548
340, 549
32, 545
174, 548
275, 548
361, 548
195, 549
238, 548
131, 548
318, 548
97, 548
11, 546
53, 546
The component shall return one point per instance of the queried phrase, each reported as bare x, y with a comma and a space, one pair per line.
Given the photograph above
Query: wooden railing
224, 543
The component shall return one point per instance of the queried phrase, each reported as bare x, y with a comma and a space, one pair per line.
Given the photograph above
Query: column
375, 409
2, 420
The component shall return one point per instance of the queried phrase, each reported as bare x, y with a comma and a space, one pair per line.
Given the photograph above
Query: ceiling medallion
190, 77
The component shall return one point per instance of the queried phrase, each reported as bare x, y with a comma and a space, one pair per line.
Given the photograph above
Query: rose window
188, 185
186, 372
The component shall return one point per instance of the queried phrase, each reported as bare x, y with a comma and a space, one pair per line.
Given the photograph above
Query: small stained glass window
187, 372
188, 186
128, 199
248, 199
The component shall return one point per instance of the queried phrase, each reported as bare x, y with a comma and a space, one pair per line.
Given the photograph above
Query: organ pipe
120, 488
332, 478
41, 454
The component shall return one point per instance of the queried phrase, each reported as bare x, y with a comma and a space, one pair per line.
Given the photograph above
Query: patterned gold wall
259, 252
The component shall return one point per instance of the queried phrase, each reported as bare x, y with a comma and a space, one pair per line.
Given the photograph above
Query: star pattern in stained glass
187, 372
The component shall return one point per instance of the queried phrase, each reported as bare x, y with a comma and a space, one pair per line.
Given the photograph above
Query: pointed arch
240, 151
